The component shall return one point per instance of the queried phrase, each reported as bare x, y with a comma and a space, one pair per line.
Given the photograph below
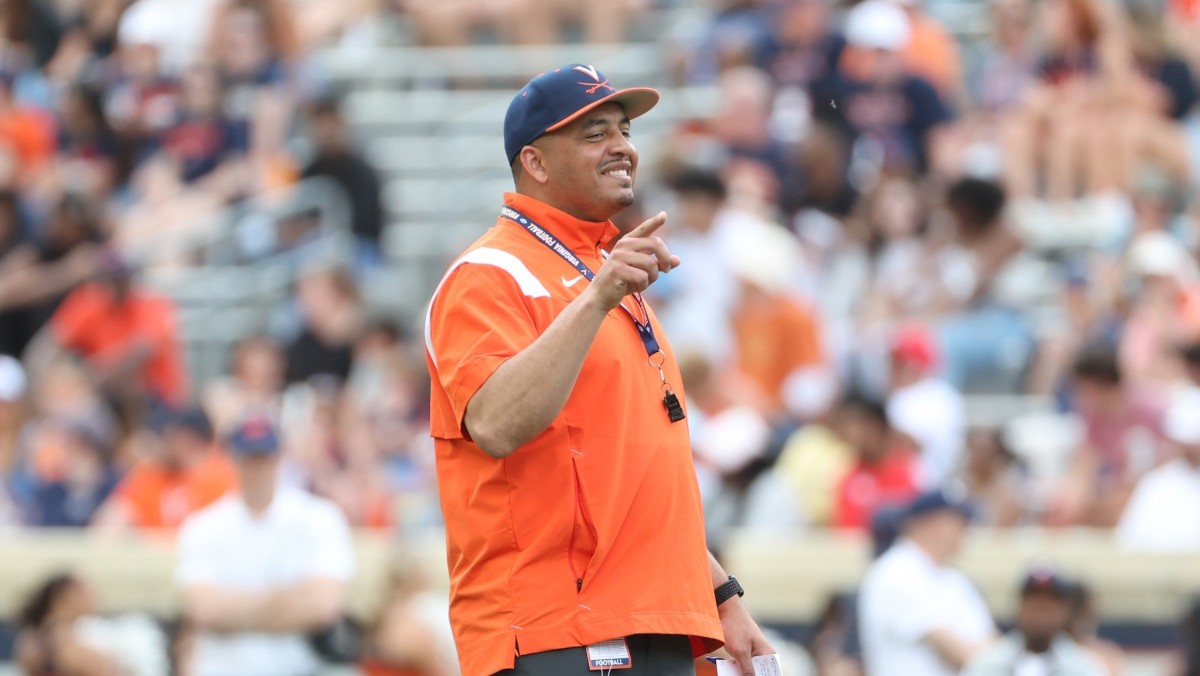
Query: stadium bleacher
428, 119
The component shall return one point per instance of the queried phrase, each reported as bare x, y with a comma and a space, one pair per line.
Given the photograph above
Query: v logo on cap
593, 87
589, 71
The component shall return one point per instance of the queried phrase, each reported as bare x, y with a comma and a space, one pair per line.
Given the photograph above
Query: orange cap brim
636, 101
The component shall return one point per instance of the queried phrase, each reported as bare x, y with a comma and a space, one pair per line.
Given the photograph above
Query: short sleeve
479, 320
929, 110
332, 546
72, 317
132, 494
169, 371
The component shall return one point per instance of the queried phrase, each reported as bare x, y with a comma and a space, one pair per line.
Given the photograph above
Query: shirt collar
913, 550
580, 236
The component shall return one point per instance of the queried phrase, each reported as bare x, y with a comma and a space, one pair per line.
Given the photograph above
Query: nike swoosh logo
572, 282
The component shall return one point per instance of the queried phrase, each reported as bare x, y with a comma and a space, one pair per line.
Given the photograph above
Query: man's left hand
743, 639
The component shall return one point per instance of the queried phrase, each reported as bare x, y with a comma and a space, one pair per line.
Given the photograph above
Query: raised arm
541, 376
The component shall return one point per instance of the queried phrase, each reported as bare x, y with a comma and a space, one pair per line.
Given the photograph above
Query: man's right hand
634, 264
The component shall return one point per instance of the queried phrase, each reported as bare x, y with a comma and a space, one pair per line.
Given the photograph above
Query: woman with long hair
47, 644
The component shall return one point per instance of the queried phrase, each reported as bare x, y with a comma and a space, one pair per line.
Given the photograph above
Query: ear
533, 164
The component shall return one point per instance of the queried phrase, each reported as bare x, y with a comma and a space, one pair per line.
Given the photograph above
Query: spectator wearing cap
924, 407
1038, 645
263, 568
917, 614
127, 334
1163, 513
877, 98
183, 473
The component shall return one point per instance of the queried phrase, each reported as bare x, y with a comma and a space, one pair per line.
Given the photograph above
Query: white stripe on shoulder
530, 286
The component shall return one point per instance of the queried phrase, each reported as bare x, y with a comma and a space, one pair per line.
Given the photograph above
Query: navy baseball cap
558, 97
937, 501
1046, 579
254, 436
192, 418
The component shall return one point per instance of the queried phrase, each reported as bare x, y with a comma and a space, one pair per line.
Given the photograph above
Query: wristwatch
729, 590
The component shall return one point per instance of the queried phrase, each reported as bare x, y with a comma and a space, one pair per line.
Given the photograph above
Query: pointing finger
648, 226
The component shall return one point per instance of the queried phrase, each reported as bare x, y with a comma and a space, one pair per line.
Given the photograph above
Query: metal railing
229, 269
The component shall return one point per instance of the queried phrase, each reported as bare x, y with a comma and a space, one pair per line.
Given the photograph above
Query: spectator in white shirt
262, 569
1163, 513
924, 407
917, 615
1039, 644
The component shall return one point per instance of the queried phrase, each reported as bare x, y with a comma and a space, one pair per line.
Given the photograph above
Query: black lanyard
644, 328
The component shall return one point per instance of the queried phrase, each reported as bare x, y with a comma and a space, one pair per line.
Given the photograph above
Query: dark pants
653, 655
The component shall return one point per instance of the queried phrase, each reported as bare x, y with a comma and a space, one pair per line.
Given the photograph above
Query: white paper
767, 665
764, 665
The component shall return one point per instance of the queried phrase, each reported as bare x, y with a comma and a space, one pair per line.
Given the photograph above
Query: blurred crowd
887, 228
881, 223
125, 126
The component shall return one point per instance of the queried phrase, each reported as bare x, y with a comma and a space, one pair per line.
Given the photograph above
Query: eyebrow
601, 121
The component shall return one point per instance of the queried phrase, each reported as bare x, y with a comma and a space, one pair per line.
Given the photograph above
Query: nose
623, 147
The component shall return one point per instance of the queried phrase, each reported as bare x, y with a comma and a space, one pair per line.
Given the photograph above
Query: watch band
729, 590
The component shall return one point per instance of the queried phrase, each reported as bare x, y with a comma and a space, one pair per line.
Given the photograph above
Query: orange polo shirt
594, 530
157, 497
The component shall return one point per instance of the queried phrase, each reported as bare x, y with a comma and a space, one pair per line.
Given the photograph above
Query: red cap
915, 344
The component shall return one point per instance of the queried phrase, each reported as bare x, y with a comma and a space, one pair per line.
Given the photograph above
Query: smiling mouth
620, 171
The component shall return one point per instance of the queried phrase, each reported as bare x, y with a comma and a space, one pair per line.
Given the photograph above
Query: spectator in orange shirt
29, 133
184, 474
127, 335
932, 52
777, 337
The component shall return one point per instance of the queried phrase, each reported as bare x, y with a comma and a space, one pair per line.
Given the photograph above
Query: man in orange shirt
186, 474
574, 525
127, 334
